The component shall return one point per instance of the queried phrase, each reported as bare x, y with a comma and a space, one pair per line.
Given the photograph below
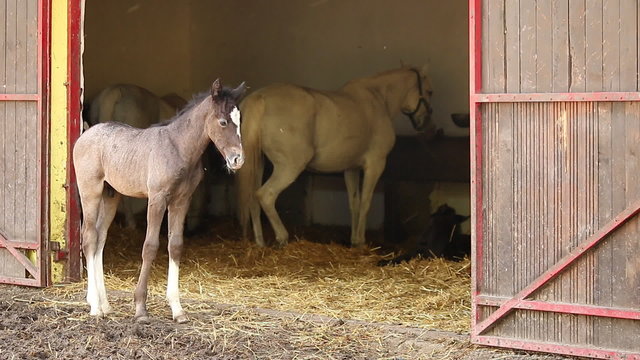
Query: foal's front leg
177, 213
155, 211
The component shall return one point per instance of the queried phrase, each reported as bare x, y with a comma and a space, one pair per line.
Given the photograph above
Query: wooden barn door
556, 175
23, 58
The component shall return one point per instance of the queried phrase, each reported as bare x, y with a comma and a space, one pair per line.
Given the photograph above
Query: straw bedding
304, 277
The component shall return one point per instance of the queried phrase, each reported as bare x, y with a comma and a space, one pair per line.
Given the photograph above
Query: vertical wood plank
32, 206
21, 123
628, 45
3, 47
611, 45
605, 170
560, 41
577, 46
594, 45
528, 46
544, 46
32, 47
626, 250
11, 46
504, 230
618, 184
496, 61
512, 48
486, 49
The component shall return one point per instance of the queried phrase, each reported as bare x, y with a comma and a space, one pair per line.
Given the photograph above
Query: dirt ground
53, 323
37, 324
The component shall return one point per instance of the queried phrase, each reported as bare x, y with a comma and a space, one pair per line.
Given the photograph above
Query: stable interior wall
316, 43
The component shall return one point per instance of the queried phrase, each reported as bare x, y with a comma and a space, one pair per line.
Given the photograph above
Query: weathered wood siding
19, 130
554, 173
559, 46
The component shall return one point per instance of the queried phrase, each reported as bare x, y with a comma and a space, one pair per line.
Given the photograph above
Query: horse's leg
352, 180
155, 211
109, 205
177, 212
90, 196
255, 212
283, 175
372, 173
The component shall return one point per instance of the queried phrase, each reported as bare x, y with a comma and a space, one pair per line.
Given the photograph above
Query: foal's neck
188, 133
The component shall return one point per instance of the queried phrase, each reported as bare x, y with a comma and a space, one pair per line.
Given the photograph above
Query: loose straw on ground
304, 277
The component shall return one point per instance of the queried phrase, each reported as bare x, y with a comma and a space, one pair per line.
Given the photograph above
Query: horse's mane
195, 100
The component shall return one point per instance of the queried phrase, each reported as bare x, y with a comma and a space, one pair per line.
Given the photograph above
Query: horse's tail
249, 177
103, 106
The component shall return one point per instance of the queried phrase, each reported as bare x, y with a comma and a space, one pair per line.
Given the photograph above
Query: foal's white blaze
235, 117
173, 292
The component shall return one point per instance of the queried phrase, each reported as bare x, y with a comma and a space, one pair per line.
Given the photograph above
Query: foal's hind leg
177, 213
155, 212
91, 197
108, 207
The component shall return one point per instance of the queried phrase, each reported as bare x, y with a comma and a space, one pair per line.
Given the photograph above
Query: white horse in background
347, 130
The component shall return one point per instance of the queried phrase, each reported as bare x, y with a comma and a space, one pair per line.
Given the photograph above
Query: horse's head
417, 104
223, 123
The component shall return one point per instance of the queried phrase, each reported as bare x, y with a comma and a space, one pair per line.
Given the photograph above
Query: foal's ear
215, 88
239, 91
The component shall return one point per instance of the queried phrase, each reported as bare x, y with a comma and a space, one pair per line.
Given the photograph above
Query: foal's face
223, 124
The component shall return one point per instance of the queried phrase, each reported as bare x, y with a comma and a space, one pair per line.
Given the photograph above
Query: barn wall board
556, 141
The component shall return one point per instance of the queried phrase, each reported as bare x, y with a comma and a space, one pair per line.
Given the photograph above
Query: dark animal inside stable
440, 238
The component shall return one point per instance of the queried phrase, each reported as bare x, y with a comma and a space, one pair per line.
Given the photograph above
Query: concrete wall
144, 42
324, 43
316, 43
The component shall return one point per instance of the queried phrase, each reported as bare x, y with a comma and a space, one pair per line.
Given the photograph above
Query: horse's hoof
142, 319
181, 319
281, 244
105, 309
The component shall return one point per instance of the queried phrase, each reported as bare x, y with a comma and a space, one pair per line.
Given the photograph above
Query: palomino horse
136, 106
326, 131
160, 163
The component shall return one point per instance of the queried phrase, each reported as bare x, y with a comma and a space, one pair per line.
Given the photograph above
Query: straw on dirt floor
304, 277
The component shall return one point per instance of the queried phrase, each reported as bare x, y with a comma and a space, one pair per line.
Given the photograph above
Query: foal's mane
196, 99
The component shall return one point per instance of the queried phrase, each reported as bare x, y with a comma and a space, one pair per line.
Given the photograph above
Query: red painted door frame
74, 106
519, 301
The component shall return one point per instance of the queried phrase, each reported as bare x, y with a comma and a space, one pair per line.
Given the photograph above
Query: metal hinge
58, 253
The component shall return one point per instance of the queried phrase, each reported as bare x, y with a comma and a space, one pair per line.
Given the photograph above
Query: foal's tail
103, 106
249, 177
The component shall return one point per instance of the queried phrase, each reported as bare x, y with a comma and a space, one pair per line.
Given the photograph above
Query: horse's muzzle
235, 161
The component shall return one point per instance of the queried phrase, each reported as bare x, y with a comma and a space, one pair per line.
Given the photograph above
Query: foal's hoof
142, 319
181, 319
106, 308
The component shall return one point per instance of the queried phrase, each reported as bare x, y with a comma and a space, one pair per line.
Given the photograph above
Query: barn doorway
320, 44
